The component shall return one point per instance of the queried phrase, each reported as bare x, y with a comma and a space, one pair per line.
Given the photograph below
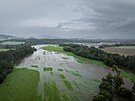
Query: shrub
106, 94
124, 92
105, 86
99, 98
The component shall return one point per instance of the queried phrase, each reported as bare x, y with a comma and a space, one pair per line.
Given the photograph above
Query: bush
105, 86
99, 98
124, 92
117, 81
106, 94
133, 89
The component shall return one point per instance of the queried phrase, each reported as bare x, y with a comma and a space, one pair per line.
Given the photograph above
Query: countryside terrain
52, 74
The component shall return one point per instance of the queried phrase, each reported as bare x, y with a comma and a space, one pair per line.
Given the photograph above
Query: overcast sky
89, 19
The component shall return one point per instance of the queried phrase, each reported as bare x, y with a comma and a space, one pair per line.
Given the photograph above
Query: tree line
9, 58
109, 59
112, 84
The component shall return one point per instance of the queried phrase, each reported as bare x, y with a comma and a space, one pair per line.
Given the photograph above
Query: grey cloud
68, 18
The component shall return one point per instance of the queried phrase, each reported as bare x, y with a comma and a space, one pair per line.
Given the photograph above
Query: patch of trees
8, 59
97, 54
112, 84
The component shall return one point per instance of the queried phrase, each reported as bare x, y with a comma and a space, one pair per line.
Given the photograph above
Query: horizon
87, 19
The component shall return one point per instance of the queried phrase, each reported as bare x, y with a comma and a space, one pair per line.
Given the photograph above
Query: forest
9, 58
111, 60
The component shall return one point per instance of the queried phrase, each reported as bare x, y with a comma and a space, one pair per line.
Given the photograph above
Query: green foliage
108, 78
8, 59
99, 98
53, 48
48, 69
117, 81
106, 94
36, 66
60, 70
128, 75
124, 92
97, 54
105, 86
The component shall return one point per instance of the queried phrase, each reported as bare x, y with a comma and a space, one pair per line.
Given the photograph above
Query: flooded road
58, 72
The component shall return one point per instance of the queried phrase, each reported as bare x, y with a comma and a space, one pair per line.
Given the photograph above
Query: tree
124, 92
100, 98
117, 81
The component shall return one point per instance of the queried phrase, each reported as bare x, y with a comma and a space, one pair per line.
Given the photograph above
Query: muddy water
83, 78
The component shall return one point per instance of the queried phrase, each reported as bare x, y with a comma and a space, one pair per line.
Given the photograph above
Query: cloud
68, 18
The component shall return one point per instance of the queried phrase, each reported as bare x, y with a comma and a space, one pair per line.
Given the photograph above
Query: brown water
84, 78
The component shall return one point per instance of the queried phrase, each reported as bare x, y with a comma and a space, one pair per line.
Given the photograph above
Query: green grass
20, 85
53, 48
62, 76
68, 85
60, 70
75, 84
1, 50
48, 69
128, 75
12, 43
51, 92
36, 66
80, 59
66, 98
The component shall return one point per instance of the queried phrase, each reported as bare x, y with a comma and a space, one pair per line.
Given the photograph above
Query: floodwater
74, 81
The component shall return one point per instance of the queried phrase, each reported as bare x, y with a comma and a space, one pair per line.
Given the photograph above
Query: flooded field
62, 78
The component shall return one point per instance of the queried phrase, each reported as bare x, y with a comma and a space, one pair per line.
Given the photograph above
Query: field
128, 75
122, 50
12, 43
1, 50
53, 76
20, 85
80, 59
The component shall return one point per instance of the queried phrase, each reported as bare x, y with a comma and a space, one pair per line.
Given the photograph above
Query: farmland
12, 43
20, 85
122, 50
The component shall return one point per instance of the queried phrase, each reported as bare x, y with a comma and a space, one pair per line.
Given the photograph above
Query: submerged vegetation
80, 59
48, 69
75, 73
51, 92
60, 70
36, 66
68, 84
